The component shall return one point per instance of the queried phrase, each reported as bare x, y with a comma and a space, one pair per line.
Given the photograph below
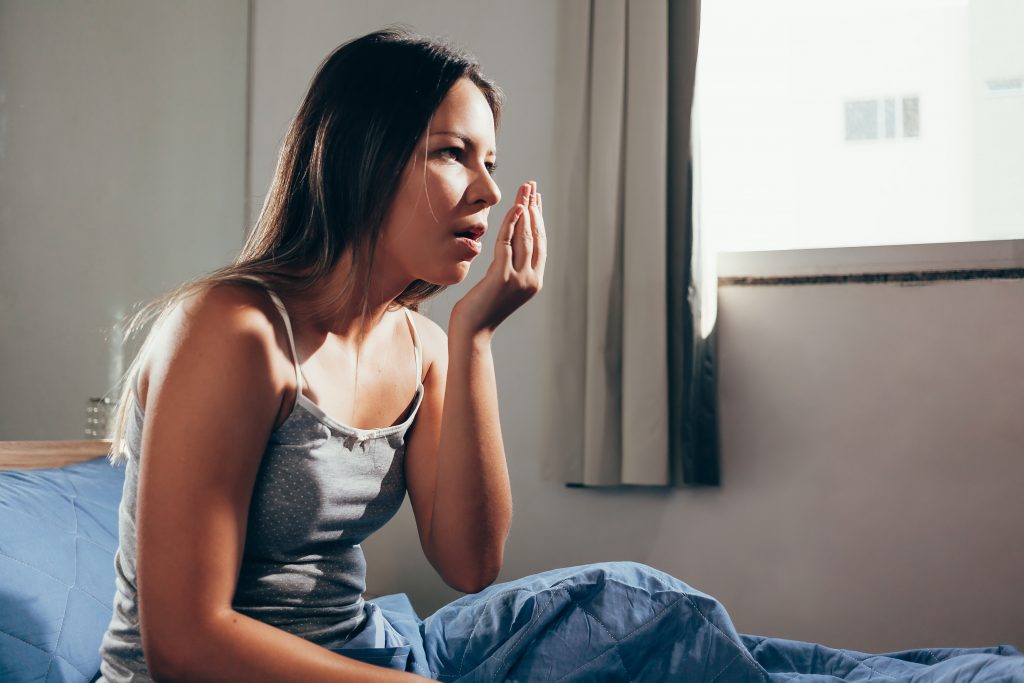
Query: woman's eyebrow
468, 141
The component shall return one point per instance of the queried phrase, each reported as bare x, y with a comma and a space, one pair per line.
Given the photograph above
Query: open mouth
470, 239
474, 232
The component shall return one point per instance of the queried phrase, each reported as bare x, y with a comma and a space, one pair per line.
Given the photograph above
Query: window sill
902, 263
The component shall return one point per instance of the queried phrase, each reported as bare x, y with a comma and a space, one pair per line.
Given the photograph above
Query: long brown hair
339, 166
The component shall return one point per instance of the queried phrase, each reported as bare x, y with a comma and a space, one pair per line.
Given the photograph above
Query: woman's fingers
540, 236
522, 241
522, 247
503, 244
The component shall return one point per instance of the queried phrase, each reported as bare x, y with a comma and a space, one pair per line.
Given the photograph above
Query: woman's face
446, 189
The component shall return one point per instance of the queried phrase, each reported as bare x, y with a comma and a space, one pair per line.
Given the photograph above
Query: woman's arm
456, 471
211, 399
455, 462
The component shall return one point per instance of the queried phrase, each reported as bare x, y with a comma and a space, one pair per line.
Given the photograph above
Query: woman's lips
472, 247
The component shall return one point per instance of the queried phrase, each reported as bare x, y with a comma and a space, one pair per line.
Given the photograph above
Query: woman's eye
455, 153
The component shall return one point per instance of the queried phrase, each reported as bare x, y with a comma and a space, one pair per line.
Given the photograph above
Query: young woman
282, 407
270, 425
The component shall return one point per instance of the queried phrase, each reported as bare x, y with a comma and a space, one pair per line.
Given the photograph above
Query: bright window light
836, 123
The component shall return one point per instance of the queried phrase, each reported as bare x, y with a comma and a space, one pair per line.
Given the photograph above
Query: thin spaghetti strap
416, 343
291, 339
135, 384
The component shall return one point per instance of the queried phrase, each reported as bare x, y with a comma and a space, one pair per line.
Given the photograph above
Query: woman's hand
517, 271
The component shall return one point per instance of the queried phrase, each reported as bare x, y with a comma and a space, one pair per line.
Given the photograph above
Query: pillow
58, 535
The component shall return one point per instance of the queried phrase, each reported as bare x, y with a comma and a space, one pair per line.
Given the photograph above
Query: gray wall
873, 470
122, 166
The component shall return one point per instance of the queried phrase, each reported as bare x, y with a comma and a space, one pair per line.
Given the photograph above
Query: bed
58, 536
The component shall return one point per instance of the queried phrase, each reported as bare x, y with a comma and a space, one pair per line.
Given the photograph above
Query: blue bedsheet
624, 621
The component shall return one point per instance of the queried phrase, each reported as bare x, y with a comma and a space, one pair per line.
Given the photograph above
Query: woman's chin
451, 276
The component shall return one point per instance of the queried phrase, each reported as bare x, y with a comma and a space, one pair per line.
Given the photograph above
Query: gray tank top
322, 488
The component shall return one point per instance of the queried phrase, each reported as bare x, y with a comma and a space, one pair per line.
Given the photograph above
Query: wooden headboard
28, 455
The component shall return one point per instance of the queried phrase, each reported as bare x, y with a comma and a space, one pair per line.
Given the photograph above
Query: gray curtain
645, 382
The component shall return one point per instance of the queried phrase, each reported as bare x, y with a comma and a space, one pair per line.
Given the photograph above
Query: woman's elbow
176, 654
469, 585
474, 577
165, 666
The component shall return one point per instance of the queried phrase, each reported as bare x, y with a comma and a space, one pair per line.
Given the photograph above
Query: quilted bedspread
623, 621
58, 535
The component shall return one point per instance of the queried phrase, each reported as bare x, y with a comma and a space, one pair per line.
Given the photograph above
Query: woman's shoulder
222, 310
426, 325
433, 340
235, 315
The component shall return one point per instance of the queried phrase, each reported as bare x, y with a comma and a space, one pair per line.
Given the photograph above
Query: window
838, 123
878, 119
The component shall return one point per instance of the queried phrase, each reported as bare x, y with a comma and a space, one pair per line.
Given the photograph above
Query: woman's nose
485, 189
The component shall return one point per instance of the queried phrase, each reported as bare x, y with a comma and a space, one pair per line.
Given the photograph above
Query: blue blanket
623, 621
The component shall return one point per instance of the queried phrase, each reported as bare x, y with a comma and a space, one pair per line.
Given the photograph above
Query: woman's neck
322, 311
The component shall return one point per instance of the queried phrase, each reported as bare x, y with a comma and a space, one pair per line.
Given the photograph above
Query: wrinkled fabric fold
623, 621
